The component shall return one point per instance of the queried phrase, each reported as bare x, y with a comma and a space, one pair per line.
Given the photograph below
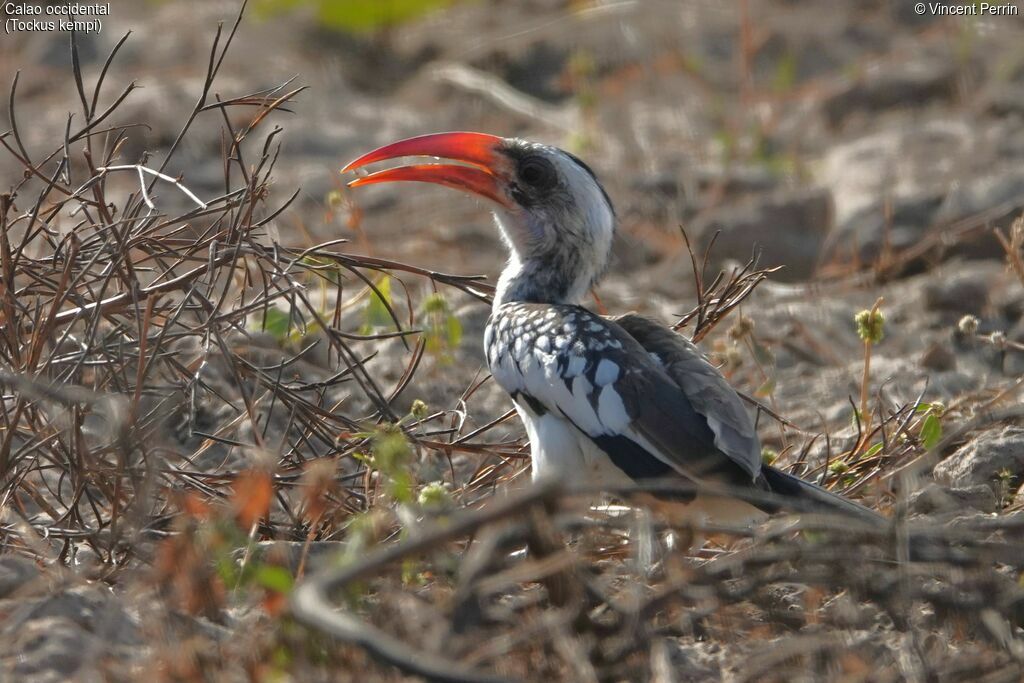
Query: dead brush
132, 364
827, 602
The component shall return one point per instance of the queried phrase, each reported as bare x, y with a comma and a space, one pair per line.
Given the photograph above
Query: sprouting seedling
841, 470
419, 410
931, 425
392, 453
871, 324
442, 328
871, 330
436, 495
1004, 479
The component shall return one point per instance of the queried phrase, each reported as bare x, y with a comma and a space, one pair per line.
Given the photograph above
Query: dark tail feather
809, 496
813, 496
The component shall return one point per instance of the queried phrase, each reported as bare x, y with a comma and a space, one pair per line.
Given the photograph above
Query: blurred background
865, 148
829, 134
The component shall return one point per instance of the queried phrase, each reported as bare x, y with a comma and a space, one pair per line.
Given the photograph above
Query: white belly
560, 451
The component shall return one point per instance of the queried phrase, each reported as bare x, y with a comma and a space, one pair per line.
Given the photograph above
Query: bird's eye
537, 172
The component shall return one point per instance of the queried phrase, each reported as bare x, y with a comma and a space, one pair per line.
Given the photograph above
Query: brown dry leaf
253, 492
193, 506
317, 482
274, 602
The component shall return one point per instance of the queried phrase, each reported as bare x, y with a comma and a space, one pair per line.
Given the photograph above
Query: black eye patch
537, 173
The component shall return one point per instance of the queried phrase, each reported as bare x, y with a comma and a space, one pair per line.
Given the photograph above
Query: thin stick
140, 169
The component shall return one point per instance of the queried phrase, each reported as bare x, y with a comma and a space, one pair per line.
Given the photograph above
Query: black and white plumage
604, 401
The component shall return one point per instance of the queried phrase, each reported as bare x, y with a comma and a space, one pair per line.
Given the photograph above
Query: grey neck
543, 281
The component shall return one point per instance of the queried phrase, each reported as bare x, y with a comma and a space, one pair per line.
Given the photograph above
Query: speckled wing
596, 374
708, 391
711, 396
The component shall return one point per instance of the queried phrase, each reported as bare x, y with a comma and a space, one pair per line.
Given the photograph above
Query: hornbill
604, 401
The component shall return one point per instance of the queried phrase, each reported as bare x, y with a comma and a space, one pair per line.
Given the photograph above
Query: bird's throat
542, 282
548, 264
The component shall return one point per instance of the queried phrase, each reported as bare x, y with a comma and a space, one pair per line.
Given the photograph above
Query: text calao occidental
17, 9
37, 17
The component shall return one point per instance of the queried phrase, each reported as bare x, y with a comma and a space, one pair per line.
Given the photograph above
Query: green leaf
369, 15
931, 431
226, 568
376, 313
785, 73
442, 329
273, 577
355, 16
873, 450
277, 323
767, 388
454, 332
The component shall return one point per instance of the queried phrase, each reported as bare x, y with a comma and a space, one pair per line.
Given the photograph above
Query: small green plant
442, 328
419, 410
871, 324
742, 333
356, 16
838, 467
283, 327
392, 454
841, 470
435, 496
785, 75
1004, 481
871, 330
930, 431
376, 314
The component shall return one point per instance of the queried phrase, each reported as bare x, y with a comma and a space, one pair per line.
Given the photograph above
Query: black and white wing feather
704, 386
597, 375
644, 395
713, 398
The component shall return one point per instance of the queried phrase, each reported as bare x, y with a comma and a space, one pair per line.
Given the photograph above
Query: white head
554, 215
